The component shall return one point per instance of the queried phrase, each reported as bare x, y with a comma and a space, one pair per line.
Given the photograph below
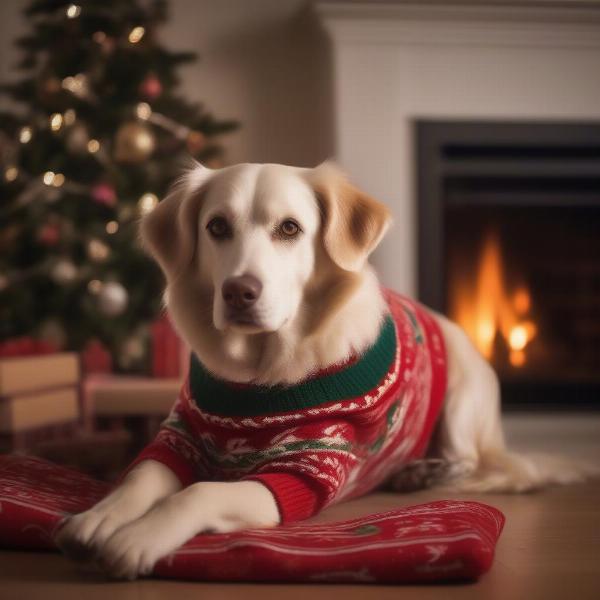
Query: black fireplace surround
538, 184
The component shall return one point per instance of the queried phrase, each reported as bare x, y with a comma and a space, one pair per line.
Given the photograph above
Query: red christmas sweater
336, 435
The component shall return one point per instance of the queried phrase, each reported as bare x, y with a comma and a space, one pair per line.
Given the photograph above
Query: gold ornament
134, 143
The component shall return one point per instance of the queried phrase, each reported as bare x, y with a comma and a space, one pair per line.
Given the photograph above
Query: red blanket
437, 541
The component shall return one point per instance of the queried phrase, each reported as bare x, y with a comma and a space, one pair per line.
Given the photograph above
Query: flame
486, 309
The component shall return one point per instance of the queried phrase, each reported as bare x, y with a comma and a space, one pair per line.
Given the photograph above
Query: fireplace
509, 247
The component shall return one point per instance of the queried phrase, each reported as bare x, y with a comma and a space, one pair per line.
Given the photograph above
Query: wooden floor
550, 548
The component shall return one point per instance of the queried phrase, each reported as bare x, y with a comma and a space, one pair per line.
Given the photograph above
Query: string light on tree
54, 179
98, 251
77, 85
70, 116
93, 146
56, 121
143, 111
73, 11
136, 34
25, 135
147, 203
112, 227
11, 174
63, 271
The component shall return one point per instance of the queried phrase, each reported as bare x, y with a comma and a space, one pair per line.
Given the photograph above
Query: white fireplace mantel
395, 63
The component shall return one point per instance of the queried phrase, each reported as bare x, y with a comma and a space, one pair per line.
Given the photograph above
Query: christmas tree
101, 134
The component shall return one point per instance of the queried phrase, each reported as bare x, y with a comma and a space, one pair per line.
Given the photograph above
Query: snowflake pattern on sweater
338, 435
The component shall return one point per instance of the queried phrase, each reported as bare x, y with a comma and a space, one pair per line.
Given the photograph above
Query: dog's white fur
320, 303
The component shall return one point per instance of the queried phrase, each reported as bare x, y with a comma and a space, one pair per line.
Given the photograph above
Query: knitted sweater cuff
296, 499
183, 469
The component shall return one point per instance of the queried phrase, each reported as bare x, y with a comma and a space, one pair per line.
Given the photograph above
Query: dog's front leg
83, 534
215, 507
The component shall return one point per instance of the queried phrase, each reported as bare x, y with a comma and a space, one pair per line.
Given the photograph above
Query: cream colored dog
301, 237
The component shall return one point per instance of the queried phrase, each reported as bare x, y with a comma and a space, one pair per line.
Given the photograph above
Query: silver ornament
112, 299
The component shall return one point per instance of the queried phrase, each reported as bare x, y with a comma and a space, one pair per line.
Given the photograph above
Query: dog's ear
353, 222
169, 233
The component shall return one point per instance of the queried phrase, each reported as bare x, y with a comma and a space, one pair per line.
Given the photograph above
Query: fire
486, 308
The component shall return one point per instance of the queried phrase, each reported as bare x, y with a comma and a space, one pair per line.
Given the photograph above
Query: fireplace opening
509, 248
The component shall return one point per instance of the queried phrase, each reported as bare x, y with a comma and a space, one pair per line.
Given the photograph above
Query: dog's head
252, 239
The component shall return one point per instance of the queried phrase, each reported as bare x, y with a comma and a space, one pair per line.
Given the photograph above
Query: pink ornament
104, 193
49, 234
151, 87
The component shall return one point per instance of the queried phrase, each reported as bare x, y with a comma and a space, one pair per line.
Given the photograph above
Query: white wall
264, 62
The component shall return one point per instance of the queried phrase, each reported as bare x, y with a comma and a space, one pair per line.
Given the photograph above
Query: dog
268, 282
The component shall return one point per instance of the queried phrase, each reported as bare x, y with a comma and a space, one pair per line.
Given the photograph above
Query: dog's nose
241, 292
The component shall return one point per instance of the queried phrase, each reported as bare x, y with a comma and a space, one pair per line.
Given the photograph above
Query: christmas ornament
77, 138
94, 286
195, 142
112, 299
97, 250
151, 87
147, 203
134, 143
104, 193
49, 234
63, 271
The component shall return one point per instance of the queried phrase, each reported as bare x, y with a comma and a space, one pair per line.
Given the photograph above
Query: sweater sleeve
296, 498
308, 467
174, 447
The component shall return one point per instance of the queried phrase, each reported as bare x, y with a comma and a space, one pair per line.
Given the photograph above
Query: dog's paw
129, 553
74, 537
421, 474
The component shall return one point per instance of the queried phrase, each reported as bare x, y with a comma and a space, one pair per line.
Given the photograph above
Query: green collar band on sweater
357, 379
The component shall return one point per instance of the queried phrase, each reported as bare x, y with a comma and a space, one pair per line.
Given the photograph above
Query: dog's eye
289, 228
219, 228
